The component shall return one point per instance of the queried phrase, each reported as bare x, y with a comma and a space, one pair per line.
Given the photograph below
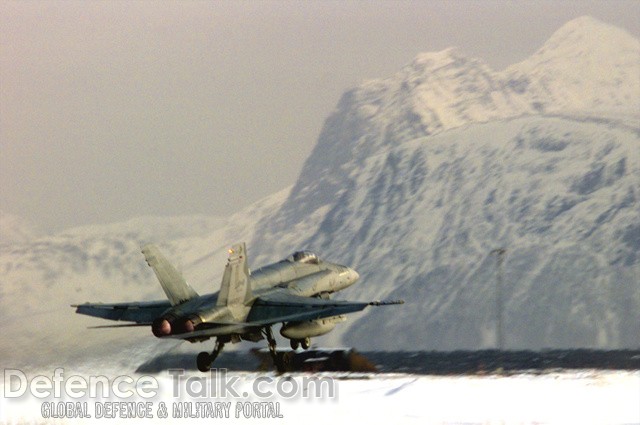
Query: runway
585, 396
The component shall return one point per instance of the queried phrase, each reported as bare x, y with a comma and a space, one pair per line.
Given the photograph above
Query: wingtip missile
391, 302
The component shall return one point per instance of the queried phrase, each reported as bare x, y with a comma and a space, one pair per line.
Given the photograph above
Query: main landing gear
278, 361
204, 359
304, 343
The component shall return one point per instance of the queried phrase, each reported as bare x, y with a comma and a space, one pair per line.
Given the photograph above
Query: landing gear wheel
204, 362
294, 343
205, 359
305, 343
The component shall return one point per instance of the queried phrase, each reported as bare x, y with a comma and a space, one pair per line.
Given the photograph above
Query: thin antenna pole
500, 252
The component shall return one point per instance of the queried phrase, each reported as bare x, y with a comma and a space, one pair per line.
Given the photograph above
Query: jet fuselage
302, 274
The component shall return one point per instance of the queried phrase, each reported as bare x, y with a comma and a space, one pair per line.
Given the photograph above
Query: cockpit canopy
304, 257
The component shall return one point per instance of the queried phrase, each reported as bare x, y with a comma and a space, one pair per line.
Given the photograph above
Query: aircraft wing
280, 307
137, 312
284, 307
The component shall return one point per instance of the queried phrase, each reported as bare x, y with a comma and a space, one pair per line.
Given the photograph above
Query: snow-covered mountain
561, 196
414, 180
585, 67
405, 221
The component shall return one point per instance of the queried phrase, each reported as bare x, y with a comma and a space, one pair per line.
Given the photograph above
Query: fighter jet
295, 292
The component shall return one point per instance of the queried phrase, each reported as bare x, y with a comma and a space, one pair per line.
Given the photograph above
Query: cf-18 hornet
295, 292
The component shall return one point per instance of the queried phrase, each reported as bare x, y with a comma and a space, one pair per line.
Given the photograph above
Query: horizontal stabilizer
138, 312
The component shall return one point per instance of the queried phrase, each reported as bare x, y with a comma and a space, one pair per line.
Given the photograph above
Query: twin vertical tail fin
172, 282
235, 288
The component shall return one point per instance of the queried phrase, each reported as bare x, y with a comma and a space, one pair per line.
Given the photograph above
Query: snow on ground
562, 397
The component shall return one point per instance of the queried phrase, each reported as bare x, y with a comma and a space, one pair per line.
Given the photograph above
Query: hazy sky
111, 110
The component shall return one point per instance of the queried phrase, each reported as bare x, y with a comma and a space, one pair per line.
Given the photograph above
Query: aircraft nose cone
353, 275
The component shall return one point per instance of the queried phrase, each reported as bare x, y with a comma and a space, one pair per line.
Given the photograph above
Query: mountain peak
586, 39
435, 60
447, 63
587, 26
586, 65
588, 34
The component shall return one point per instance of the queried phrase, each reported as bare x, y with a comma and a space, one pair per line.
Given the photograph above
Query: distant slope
560, 195
41, 277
